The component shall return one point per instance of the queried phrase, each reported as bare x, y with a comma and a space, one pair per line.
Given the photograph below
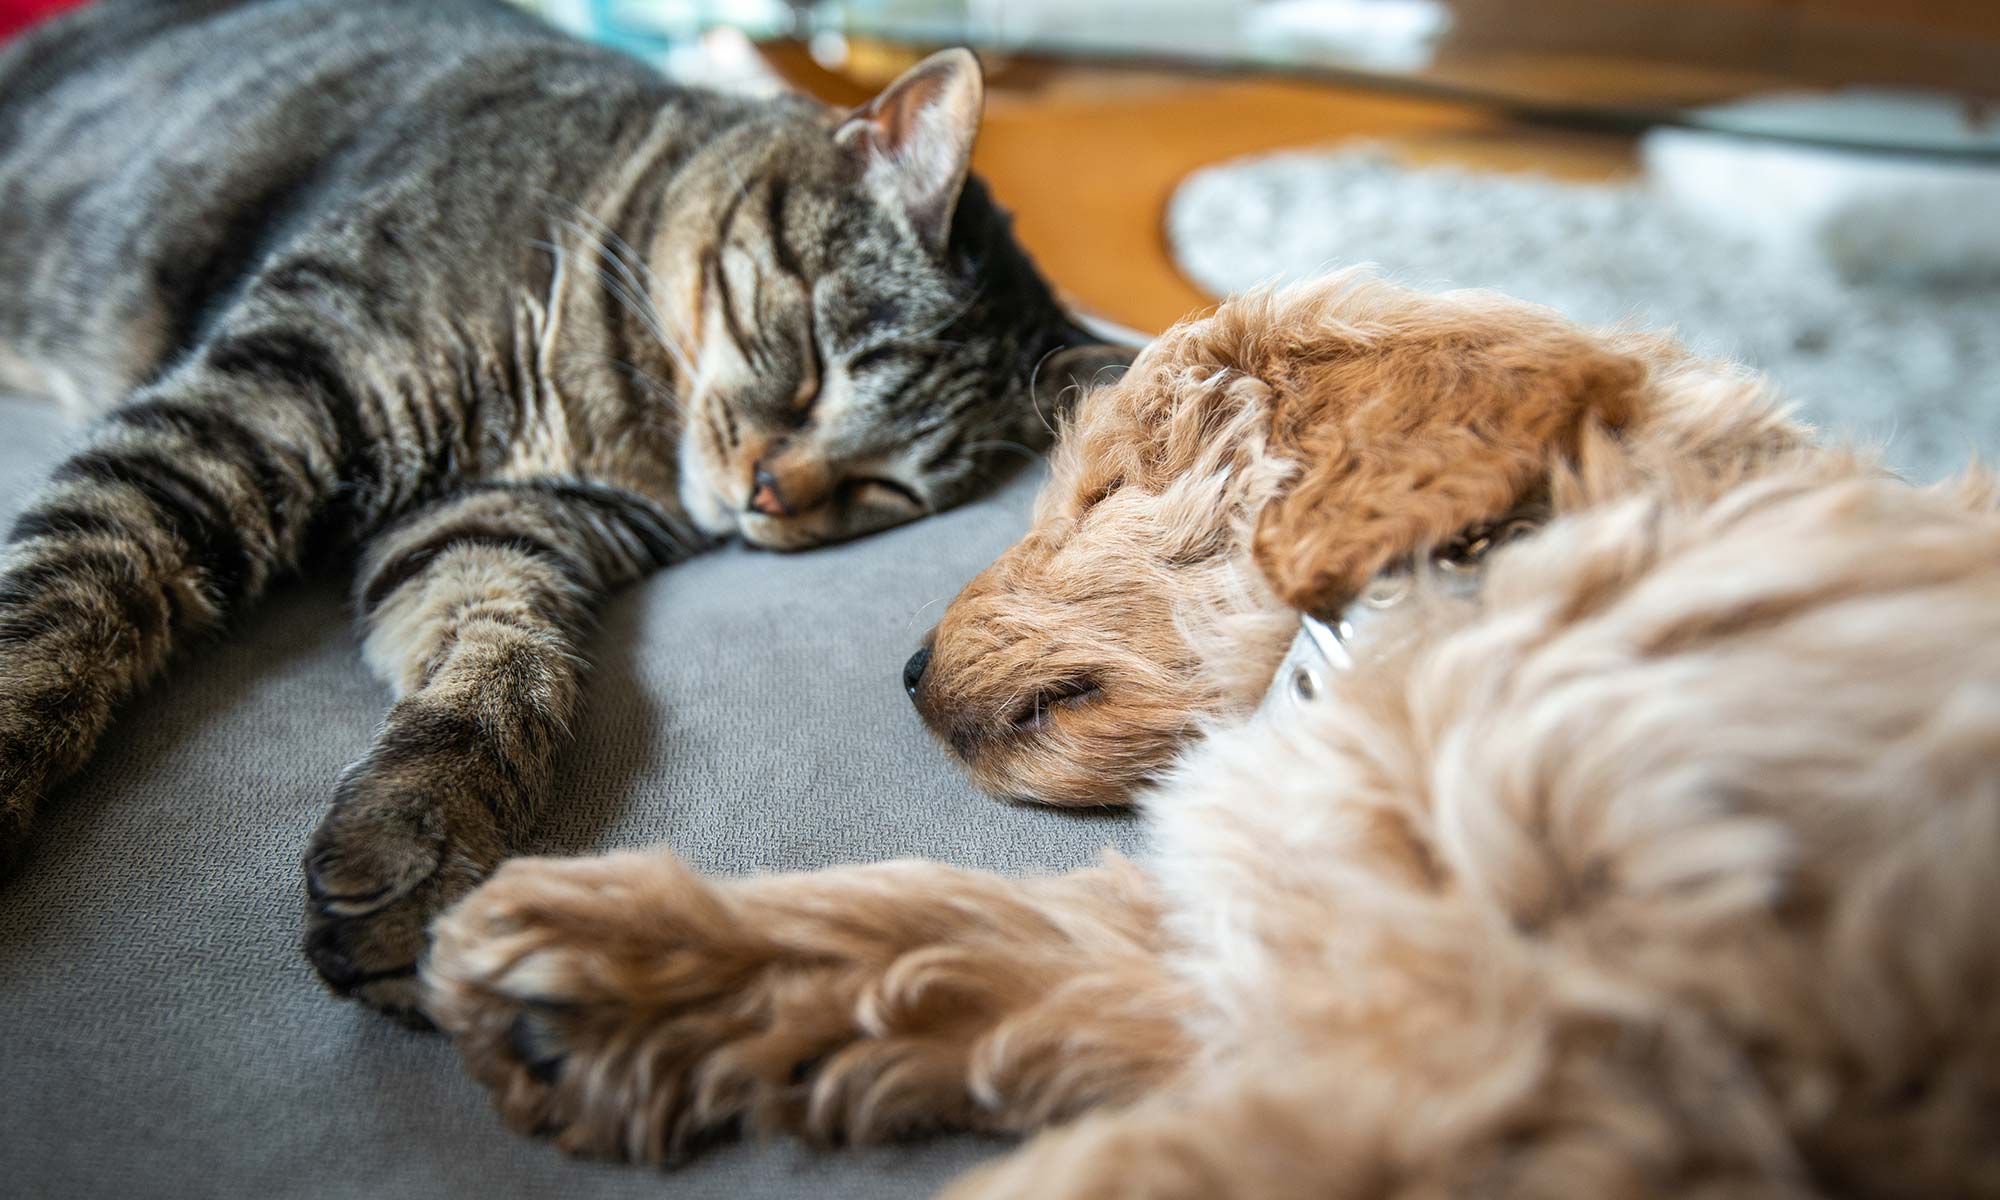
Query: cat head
865, 337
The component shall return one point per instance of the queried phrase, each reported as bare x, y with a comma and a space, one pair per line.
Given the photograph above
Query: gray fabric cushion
164, 1036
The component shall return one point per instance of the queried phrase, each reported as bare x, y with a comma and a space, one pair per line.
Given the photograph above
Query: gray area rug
1910, 367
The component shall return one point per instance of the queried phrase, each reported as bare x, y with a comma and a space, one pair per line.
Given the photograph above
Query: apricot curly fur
1271, 457
636, 1009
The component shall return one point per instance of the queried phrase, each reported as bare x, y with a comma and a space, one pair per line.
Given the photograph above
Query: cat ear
916, 139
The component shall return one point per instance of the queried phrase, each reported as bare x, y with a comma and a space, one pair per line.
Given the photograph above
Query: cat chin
768, 535
707, 513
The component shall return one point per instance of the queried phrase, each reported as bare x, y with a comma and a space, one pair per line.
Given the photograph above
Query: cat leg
474, 610
183, 504
631, 1008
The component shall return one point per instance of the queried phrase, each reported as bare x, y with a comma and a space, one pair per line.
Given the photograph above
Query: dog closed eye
1038, 711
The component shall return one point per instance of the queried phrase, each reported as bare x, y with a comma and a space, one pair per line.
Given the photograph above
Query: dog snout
913, 670
973, 723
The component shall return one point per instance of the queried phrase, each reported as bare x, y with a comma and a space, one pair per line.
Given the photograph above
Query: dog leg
1158, 1152
631, 1008
1262, 1135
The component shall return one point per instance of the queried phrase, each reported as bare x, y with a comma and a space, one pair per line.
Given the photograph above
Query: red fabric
16, 15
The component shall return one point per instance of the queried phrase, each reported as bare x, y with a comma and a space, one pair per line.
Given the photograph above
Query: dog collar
1324, 647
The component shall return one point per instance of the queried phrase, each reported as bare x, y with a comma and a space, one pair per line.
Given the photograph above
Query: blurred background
1812, 186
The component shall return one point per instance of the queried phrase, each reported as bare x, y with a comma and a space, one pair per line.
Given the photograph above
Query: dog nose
913, 671
767, 496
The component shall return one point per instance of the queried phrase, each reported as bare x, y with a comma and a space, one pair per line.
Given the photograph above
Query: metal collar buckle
1321, 649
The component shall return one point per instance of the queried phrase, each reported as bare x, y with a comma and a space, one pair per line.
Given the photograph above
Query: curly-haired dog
1331, 430
1660, 866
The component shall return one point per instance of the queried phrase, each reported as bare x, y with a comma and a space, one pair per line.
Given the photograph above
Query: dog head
1062, 672
1274, 456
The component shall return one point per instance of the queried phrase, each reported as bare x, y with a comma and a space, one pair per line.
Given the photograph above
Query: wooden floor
1089, 172
1087, 160
1088, 156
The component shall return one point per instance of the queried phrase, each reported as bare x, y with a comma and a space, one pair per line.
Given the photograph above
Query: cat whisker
653, 384
647, 314
1026, 452
611, 256
1035, 396
632, 263
635, 294
622, 247
929, 605
953, 319
634, 303
604, 233
637, 303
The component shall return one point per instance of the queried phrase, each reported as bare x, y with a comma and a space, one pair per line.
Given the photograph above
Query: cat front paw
23, 775
389, 856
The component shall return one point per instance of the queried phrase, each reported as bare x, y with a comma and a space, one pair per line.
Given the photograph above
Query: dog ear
1400, 452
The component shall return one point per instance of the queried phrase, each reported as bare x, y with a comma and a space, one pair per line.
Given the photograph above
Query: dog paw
626, 1008
385, 860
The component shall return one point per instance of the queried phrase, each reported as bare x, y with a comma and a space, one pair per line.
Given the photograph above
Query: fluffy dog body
1662, 866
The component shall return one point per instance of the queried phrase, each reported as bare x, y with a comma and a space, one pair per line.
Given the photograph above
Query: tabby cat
513, 317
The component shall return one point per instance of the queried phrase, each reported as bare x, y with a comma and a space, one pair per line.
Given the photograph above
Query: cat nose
767, 495
913, 671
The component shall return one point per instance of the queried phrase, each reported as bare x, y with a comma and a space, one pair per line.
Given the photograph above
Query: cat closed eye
873, 357
806, 399
883, 493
